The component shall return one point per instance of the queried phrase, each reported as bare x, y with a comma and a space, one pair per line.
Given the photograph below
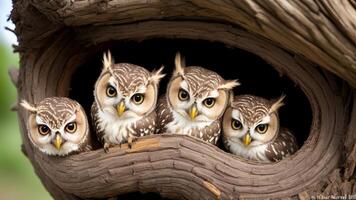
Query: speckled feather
137, 76
209, 133
95, 122
55, 111
282, 146
253, 108
201, 81
144, 126
164, 115
128, 78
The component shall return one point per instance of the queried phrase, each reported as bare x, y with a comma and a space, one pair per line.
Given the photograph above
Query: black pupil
70, 126
183, 94
262, 127
111, 90
44, 129
237, 124
209, 101
138, 98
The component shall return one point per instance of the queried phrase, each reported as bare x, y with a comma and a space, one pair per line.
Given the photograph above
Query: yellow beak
247, 139
193, 112
58, 142
120, 108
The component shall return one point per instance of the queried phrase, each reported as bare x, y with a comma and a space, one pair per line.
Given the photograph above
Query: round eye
209, 102
110, 91
262, 128
236, 124
137, 98
183, 95
43, 129
71, 127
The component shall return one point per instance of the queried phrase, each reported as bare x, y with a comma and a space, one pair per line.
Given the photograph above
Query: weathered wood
121, 169
55, 37
323, 31
14, 75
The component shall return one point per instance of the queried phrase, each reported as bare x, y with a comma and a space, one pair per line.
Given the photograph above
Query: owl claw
106, 147
130, 141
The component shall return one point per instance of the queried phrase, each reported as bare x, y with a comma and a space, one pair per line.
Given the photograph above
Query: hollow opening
256, 76
141, 196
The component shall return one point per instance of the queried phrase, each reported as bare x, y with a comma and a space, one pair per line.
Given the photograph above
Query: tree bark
322, 31
289, 35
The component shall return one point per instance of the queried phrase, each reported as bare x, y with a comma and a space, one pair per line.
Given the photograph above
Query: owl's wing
209, 133
95, 121
284, 145
164, 114
144, 126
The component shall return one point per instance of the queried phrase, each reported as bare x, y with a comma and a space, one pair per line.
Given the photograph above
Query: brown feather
284, 145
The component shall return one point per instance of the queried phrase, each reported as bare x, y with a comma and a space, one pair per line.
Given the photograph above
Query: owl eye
71, 127
110, 91
138, 98
43, 129
262, 128
209, 102
236, 124
183, 95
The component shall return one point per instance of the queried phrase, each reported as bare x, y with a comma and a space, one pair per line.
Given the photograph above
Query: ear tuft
228, 85
179, 64
28, 106
277, 104
156, 76
107, 60
231, 97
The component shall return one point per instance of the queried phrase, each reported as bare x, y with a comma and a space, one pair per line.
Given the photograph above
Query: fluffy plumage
58, 126
251, 130
194, 102
125, 101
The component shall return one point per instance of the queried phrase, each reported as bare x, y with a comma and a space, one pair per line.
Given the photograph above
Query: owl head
198, 94
252, 121
125, 91
57, 125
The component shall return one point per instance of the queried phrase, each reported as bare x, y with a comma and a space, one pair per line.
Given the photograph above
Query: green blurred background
17, 177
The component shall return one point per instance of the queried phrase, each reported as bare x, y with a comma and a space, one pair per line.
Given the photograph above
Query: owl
58, 126
251, 130
125, 101
195, 101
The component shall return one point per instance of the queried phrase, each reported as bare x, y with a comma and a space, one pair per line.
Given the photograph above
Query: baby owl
58, 126
125, 101
251, 130
194, 103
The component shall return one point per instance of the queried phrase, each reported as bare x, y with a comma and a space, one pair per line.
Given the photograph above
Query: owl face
198, 94
126, 91
57, 125
251, 121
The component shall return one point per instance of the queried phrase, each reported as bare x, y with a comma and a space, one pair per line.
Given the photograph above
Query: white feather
116, 131
67, 148
28, 106
180, 125
252, 152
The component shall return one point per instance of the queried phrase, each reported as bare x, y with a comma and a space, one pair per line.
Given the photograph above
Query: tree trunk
311, 42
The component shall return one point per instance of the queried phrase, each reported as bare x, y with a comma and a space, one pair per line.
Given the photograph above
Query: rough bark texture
57, 36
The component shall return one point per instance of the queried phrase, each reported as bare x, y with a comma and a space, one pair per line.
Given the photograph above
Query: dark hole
141, 196
256, 76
